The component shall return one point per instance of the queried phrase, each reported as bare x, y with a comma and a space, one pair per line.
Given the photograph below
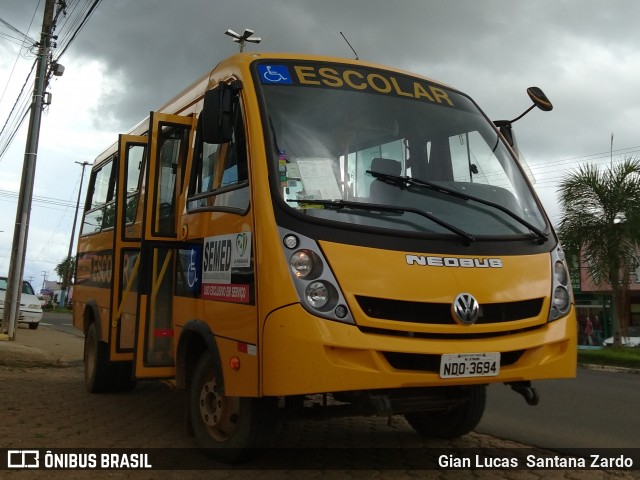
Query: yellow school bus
293, 227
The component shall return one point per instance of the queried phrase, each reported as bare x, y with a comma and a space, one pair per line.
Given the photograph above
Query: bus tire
124, 380
99, 374
227, 429
455, 422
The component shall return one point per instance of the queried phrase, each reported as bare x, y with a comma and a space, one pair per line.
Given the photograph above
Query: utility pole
611, 150
67, 280
23, 211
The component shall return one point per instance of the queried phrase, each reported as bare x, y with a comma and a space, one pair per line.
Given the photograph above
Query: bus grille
431, 363
440, 313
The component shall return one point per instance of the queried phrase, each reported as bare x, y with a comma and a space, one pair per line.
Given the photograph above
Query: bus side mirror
539, 99
217, 113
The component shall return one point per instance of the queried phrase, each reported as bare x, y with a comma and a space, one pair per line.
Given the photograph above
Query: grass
613, 357
57, 309
61, 310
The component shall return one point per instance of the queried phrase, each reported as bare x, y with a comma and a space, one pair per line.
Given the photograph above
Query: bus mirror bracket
506, 130
218, 112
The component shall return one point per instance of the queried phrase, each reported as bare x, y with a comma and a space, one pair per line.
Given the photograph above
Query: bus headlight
305, 264
561, 297
560, 273
315, 284
317, 294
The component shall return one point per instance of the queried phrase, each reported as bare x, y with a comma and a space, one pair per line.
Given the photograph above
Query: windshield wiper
371, 207
403, 182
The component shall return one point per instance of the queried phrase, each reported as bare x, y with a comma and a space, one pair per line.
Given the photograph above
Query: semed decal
424, 261
222, 255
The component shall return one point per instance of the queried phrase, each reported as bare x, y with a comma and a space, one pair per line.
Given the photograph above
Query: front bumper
304, 354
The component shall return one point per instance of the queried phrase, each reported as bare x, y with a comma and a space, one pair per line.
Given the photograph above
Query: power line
22, 36
76, 21
42, 200
558, 170
18, 56
78, 28
19, 118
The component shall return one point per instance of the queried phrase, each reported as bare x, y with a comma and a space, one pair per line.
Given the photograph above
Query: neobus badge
454, 262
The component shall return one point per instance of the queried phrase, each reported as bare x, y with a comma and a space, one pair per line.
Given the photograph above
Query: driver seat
380, 191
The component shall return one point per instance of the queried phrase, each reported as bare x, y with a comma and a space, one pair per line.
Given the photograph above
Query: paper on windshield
317, 176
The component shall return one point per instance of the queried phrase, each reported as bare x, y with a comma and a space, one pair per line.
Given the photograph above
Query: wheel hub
211, 404
218, 412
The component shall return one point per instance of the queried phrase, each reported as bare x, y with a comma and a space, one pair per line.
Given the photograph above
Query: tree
66, 270
601, 224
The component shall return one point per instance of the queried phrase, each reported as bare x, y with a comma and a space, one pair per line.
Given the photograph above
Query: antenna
352, 49
245, 37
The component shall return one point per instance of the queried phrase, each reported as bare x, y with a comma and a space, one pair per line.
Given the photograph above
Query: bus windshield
389, 151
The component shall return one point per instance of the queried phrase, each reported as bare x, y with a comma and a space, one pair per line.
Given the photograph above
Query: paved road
599, 409
62, 322
48, 408
595, 409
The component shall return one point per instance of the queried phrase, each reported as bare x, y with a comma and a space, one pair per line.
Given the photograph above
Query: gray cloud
583, 53
492, 49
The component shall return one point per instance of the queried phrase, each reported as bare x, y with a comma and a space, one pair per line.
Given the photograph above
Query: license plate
461, 365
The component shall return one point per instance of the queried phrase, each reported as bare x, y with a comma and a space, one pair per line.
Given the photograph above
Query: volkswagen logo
465, 309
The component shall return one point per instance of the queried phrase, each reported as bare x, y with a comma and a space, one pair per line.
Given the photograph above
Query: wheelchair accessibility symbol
274, 74
192, 271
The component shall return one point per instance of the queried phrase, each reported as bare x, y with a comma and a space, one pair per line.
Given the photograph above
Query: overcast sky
133, 55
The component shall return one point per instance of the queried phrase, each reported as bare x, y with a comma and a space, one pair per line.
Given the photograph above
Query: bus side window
135, 159
171, 157
220, 177
100, 207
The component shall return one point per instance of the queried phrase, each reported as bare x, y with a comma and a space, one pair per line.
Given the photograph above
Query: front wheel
34, 326
459, 420
228, 429
99, 373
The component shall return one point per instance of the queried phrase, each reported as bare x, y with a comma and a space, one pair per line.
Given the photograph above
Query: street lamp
67, 281
247, 36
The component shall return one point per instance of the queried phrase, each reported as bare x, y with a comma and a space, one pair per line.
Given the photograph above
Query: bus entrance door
168, 145
132, 151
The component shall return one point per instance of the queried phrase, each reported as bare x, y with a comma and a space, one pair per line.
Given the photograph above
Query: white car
633, 340
30, 308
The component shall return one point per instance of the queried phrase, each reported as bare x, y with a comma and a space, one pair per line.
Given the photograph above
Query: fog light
341, 311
